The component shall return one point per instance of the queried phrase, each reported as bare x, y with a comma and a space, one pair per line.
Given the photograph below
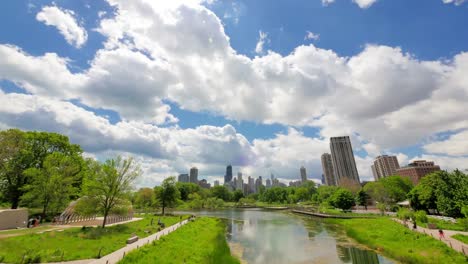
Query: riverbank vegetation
202, 241
77, 243
462, 238
398, 242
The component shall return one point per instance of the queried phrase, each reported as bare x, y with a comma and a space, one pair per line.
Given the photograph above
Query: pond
261, 236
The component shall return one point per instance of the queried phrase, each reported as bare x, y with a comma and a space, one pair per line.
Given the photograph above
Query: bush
464, 223
405, 214
421, 216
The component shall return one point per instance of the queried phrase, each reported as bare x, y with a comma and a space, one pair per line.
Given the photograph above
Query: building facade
344, 164
385, 166
183, 178
303, 174
240, 182
194, 175
228, 175
417, 169
327, 167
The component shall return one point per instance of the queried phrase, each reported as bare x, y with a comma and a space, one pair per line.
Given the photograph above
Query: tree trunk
163, 210
14, 203
105, 218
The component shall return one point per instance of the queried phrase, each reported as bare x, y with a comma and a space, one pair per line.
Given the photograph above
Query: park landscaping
201, 241
398, 242
462, 238
77, 243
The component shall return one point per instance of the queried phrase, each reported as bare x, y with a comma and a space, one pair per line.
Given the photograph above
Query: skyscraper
183, 177
228, 175
385, 166
344, 165
194, 175
240, 182
303, 174
216, 183
268, 183
327, 167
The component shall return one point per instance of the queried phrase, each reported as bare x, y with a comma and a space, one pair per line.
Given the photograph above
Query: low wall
13, 218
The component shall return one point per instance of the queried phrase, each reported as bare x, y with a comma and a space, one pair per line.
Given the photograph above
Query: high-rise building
385, 166
417, 169
204, 184
327, 167
344, 165
183, 178
268, 183
240, 182
258, 183
228, 175
194, 175
216, 183
303, 174
251, 183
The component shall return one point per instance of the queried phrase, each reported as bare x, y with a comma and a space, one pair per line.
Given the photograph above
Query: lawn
446, 225
395, 241
76, 243
202, 241
462, 238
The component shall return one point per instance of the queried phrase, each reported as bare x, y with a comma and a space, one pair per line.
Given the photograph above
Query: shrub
405, 214
421, 216
464, 223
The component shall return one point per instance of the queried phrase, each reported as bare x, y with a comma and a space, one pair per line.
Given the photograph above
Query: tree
361, 198
389, 190
23, 150
221, 192
167, 194
144, 198
52, 186
187, 188
108, 185
237, 195
343, 199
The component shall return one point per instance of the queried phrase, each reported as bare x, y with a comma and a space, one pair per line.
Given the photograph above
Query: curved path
451, 242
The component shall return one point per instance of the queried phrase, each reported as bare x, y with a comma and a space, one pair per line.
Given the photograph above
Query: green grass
462, 238
202, 241
446, 225
24, 231
395, 241
75, 243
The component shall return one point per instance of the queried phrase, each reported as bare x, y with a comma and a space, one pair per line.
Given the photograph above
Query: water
258, 236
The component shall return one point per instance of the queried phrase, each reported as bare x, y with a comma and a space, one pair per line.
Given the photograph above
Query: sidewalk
451, 242
115, 256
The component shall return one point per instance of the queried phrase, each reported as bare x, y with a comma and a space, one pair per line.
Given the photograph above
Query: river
258, 236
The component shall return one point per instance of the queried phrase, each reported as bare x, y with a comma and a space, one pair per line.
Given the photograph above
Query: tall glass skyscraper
344, 165
228, 175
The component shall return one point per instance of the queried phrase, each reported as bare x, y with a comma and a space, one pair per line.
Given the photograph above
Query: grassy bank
395, 241
202, 241
461, 238
76, 243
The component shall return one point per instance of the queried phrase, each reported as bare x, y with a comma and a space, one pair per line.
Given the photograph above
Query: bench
132, 239
431, 226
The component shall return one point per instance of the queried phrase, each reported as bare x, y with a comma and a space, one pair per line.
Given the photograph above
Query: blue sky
274, 109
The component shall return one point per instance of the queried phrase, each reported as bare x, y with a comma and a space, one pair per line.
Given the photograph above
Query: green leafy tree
275, 195
221, 192
108, 185
324, 193
389, 190
167, 194
187, 188
52, 186
237, 195
343, 199
362, 198
144, 198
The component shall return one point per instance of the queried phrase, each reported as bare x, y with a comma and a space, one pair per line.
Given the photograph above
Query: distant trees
144, 198
342, 199
167, 194
389, 190
108, 185
221, 192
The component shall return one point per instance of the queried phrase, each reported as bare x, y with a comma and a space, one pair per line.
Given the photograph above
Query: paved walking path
451, 242
115, 256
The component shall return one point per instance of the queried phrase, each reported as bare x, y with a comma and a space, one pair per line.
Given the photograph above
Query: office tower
268, 183
327, 167
385, 166
194, 175
258, 183
216, 183
183, 178
417, 169
251, 183
344, 165
303, 174
240, 182
228, 175
204, 184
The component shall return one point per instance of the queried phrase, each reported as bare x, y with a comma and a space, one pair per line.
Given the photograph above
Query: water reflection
258, 236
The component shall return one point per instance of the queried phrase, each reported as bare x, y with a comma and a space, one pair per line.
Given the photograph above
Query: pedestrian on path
441, 234
414, 224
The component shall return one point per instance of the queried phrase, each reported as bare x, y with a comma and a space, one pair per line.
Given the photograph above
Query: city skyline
256, 85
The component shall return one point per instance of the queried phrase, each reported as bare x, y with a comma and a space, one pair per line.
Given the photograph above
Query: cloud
263, 38
311, 36
65, 22
456, 2
455, 145
364, 3
327, 2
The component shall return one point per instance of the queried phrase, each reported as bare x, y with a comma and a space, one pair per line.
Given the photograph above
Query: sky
258, 84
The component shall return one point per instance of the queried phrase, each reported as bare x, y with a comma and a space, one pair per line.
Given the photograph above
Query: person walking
441, 234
